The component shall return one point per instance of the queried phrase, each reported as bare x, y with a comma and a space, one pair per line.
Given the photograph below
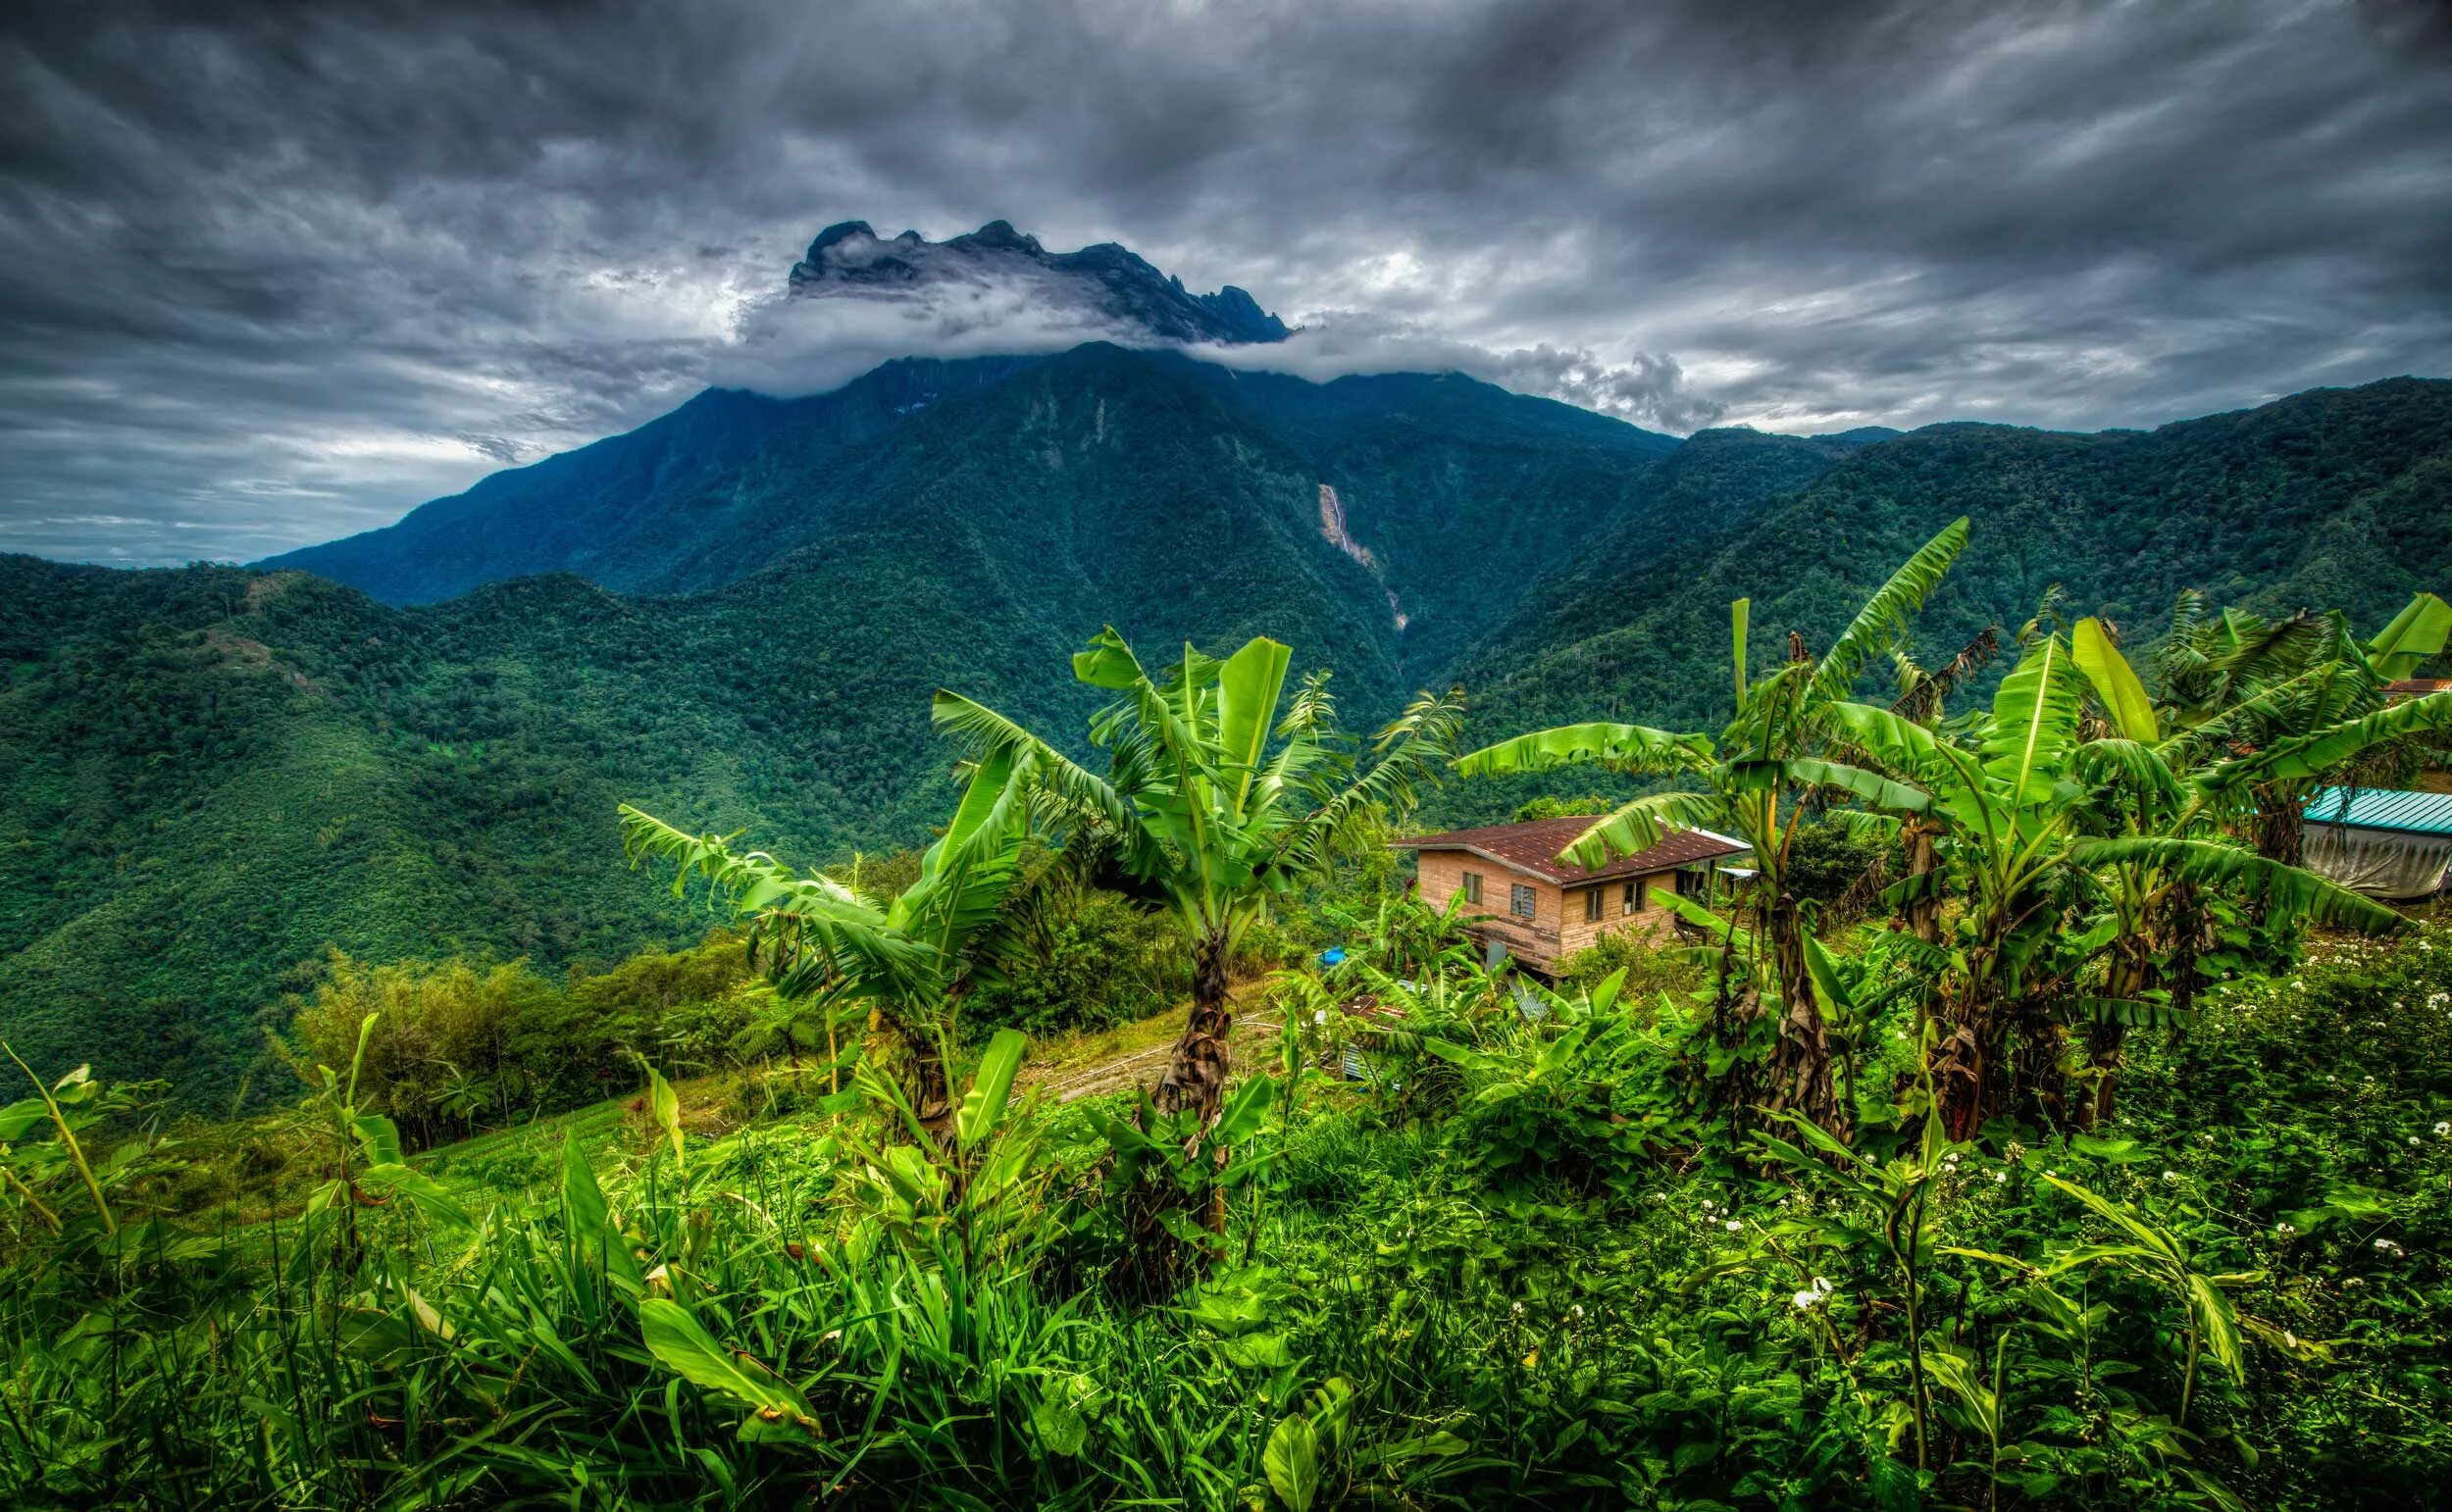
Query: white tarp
2398, 865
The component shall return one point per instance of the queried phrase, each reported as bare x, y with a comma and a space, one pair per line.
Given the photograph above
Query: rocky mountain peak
849, 260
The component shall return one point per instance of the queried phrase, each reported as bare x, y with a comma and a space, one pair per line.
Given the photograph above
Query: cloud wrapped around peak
1646, 389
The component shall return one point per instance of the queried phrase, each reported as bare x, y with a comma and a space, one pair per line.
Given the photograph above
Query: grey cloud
1646, 389
268, 273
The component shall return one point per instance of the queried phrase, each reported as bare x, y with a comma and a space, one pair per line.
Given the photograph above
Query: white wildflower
2442, 1127
2172, 1177
1735, 1225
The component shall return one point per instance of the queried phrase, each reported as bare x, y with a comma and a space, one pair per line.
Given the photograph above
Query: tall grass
807, 1312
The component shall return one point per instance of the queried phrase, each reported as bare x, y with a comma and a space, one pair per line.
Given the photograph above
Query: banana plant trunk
2281, 823
1194, 1083
931, 1095
1923, 909
2131, 977
1799, 1075
1195, 1079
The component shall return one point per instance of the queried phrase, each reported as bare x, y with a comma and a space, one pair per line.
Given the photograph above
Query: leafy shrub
458, 1043
1096, 960
1651, 969
1829, 865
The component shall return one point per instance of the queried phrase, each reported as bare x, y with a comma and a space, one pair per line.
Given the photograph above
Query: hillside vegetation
2027, 1131
209, 777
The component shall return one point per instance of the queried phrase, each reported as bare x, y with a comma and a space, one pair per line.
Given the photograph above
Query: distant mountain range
411, 741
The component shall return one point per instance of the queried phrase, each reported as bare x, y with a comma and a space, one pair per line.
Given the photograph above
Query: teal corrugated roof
2384, 808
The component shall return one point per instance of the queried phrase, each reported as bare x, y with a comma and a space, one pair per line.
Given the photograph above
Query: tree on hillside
1199, 807
1770, 755
912, 957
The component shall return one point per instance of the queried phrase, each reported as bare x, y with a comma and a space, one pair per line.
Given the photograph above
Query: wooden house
1520, 897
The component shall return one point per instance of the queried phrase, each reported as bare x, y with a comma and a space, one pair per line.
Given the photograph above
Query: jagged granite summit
850, 260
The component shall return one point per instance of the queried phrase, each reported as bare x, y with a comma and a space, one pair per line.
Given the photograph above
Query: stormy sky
274, 273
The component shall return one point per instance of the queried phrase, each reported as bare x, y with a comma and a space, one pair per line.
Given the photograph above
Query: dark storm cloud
270, 273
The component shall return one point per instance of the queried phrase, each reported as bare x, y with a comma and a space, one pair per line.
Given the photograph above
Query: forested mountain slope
210, 775
634, 511
732, 482
2333, 498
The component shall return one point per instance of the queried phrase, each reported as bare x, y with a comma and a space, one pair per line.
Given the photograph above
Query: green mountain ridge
209, 775
2331, 499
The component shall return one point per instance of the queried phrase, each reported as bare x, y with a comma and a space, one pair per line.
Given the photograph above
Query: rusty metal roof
1532, 847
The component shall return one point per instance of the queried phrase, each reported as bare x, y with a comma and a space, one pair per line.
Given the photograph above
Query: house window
1472, 887
1633, 902
1592, 906
1519, 900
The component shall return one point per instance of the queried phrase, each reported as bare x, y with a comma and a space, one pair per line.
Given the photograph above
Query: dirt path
1134, 1067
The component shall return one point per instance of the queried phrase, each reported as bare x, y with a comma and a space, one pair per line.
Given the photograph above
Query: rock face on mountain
849, 260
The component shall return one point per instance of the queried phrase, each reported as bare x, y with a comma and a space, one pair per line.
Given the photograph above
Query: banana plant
1770, 756
1217, 803
2159, 791
968, 1207
2022, 805
2007, 803
910, 958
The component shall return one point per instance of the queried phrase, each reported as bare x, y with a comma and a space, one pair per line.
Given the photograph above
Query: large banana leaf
1633, 748
2416, 634
1890, 607
966, 875
2320, 751
1081, 795
1811, 771
822, 929
991, 1090
1247, 690
1639, 825
2034, 724
1890, 740
2211, 863
1409, 747
2115, 682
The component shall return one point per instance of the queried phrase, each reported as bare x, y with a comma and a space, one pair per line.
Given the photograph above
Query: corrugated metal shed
2384, 808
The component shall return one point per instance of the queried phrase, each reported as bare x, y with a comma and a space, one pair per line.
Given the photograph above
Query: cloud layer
272, 273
